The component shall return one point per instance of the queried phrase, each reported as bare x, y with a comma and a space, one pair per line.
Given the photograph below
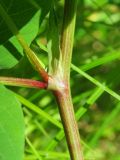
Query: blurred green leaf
101, 2
11, 127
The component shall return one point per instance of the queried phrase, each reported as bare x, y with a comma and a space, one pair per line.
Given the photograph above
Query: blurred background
96, 52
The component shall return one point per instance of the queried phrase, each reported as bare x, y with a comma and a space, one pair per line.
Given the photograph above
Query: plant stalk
70, 124
67, 37
34, 60
63, 95
21, 82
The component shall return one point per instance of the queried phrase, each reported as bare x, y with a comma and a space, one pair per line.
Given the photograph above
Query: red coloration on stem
44, 75
23, 82
63, 95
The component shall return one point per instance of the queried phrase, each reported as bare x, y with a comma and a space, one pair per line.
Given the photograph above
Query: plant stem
34, 60
69, 123
63, 95
10, 81
33, 149
67, 36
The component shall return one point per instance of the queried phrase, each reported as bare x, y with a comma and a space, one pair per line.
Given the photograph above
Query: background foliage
96, 52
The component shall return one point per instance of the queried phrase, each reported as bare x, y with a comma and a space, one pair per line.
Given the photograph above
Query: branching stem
10, 81
59, 83
63, 94
35, 61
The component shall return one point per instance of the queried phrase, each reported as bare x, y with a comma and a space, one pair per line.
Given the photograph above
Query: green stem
34, 60
67, 37
38, 65
35, 152
63, 93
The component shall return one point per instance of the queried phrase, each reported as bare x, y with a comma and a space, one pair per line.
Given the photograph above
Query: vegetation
40, 43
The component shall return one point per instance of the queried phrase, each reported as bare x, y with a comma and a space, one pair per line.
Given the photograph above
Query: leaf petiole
10, 81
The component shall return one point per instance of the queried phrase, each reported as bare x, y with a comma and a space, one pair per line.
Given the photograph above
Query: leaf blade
11, 134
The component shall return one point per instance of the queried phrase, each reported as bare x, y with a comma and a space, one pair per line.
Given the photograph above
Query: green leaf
6, 59
29, 53
22, 69
44, 8
20, 11
27, 23
11, 52
11, 127
40, 4
29, 31
101, 2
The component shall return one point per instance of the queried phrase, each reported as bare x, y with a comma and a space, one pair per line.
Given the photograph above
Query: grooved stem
69, 123
67, 36
63, 95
